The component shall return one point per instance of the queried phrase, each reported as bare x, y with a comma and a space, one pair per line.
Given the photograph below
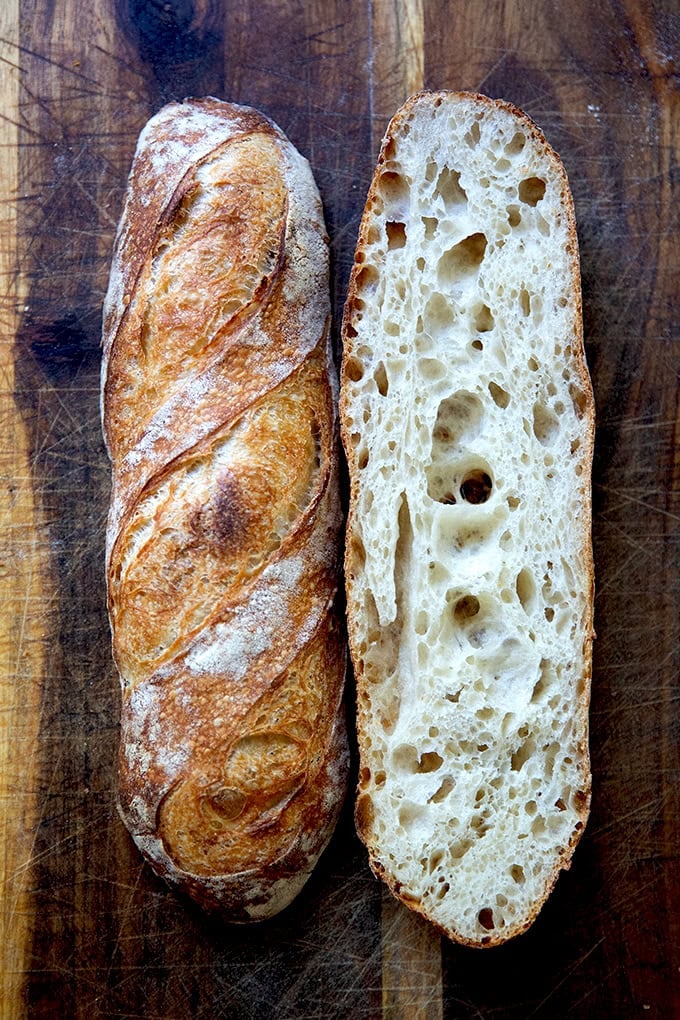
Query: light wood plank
22, 575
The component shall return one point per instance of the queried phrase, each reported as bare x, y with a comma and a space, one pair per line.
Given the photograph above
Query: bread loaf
467, 419
219, 411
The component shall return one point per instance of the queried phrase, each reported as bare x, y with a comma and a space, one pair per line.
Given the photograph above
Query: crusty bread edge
581, 707
255, 894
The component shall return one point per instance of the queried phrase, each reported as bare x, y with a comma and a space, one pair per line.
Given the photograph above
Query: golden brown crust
218, 404
353, 559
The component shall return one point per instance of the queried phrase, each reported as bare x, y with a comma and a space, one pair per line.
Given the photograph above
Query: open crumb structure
467, 418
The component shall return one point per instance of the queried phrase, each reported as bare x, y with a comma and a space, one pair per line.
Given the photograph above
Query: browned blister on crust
219, 411
467, 418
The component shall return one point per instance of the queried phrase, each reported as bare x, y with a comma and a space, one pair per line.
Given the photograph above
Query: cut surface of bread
468, 422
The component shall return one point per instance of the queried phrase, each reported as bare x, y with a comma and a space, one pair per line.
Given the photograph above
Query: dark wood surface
87, 930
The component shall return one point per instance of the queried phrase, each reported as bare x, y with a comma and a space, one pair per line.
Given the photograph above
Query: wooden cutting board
87, 929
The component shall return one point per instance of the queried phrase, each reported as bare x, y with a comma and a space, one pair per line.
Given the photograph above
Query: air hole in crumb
394, 189
437, 315
513, 502
442, 792
478, 823
483, 319
367, 278
543, 226
516, 144
396, 234
485, 918
525, 301
522, 754
476, 487
517, 874
410, 814
545, 424
531, 190
500, 396
514, 216
430, 761
432, 368
380, 778
430, 171
473, 136
449, 187
430, 223
381, 380
477, 345
422, 622
457, 415
560, 805
435, 860
526, 589
362, 459
466, 608
579, 400
549, 614
461, 261
354, 369
532, 364
358, 553
575, 443
405, 758
537, 826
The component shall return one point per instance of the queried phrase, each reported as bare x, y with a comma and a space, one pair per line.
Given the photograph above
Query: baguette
467, 419
219, 415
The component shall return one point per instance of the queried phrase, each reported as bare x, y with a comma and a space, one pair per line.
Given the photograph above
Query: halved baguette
468, 422
223, 538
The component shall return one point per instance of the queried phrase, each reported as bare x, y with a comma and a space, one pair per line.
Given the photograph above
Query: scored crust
467, 419
219, 414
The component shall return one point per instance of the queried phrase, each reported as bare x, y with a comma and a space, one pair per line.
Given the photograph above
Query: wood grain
87, 930
24, 587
